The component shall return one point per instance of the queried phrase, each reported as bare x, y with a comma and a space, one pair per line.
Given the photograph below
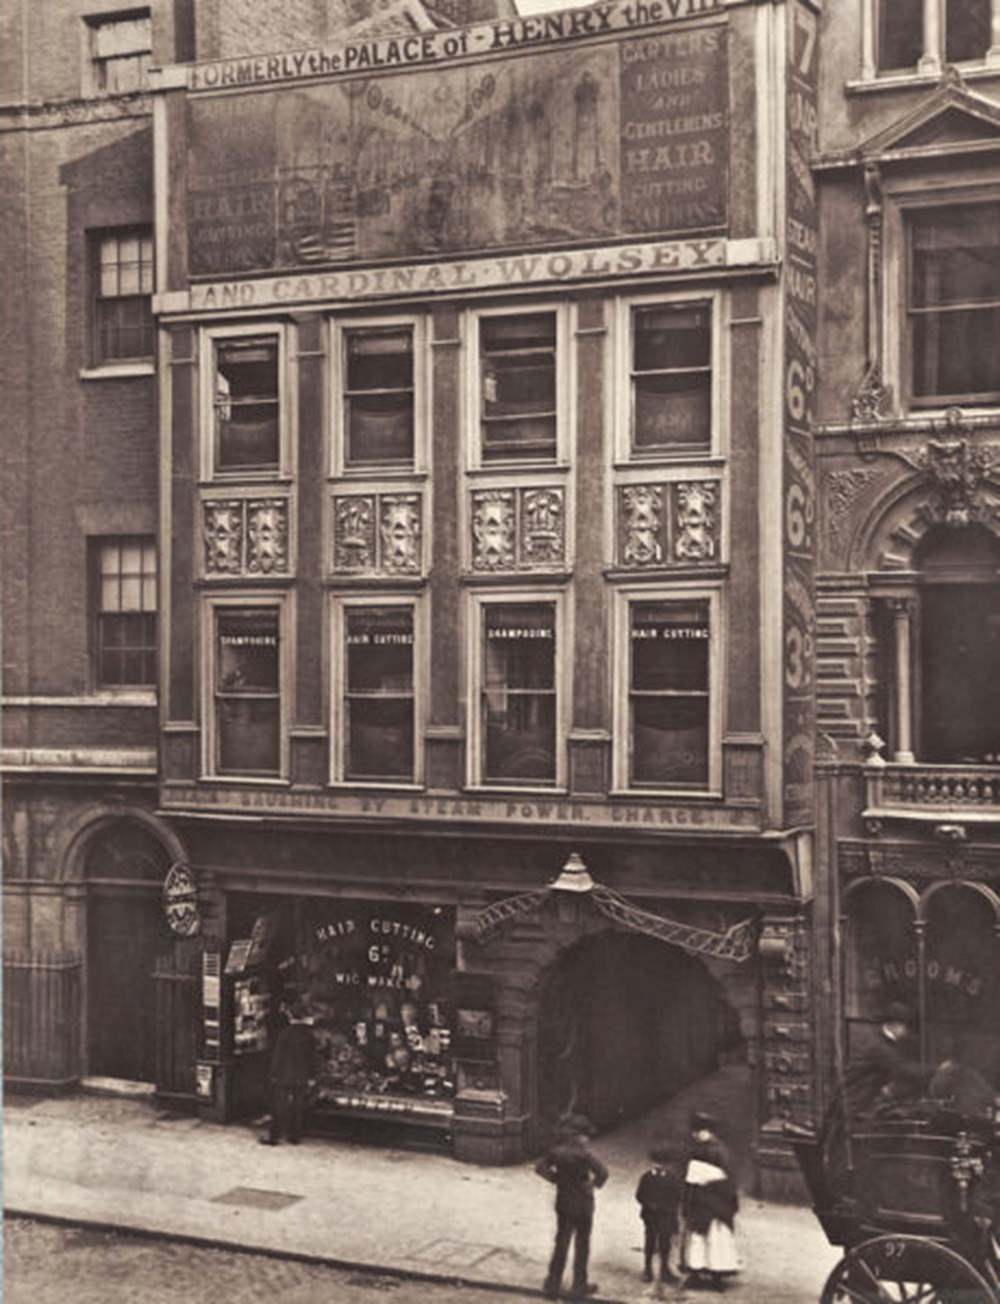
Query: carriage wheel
905, 1270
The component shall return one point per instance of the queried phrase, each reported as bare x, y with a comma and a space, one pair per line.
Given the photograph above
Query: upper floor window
378, 378
516, 686
123, 285
905, 40
246, 690
953, 304
671, 377
518, 387
245, 375
125, 615
665, 727
120, 51
377, 729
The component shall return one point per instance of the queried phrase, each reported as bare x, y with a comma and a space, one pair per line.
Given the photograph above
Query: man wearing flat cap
575, 1172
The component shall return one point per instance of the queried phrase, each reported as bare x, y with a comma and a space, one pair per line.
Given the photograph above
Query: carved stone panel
267, 536
493, 537
223, 537
245, 536
378, 534
671, 524
518, 529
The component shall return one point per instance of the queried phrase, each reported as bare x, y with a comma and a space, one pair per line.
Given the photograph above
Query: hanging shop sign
180, 901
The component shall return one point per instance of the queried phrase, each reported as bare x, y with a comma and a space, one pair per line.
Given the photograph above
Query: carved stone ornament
872, 400
641, 509
542, 536
958, 472
493, 532
843, 488
354, 533
267, 536
697, 528
399, 530
223, 537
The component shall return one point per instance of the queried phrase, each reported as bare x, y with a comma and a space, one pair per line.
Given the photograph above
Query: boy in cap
659, 1194
574, 1172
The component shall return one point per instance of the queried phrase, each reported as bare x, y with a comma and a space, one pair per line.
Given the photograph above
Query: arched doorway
625, 1021
126, 931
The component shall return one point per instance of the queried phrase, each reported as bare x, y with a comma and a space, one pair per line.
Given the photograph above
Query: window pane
127, 651
518, 378
131, 593
955, 255
379, 360
960, 654
380, 428
520, 646
149, 593
249, 735
672, 410
900, 34
519, 700
247, 652
380, 738
957, 353
668, 336
380, 650
967, 29
246, 400
669, 647
670, 740
109, 279
110, 598
519, 439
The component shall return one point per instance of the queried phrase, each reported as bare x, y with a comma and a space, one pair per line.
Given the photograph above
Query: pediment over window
951, 120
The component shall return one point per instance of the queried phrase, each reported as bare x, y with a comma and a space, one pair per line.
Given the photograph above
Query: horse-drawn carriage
915, 1203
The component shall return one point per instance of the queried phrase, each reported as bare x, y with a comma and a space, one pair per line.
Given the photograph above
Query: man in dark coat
575, 1172
293, 1068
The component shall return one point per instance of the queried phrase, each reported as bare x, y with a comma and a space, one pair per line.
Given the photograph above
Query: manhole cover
454, 1254
256, 1198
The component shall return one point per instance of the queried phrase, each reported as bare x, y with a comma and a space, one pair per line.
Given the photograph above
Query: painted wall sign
180, 901
469, 275
597, 140
799, 524
437, 48
559, 811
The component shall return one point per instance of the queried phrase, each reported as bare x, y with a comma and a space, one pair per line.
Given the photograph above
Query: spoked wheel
905, 1270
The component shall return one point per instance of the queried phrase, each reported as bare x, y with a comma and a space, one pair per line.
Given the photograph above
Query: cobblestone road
49, 1264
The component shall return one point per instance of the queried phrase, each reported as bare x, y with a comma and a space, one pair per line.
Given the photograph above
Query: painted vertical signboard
799, 395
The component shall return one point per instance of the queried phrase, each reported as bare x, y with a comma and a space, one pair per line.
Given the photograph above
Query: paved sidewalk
120, 1163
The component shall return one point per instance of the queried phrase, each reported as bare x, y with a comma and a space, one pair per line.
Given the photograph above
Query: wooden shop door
124, 932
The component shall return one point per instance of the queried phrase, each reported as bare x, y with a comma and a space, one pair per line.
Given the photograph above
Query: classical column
993, 53
902, 609
930, 61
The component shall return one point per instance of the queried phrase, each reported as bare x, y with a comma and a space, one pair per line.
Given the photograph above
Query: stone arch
77, 835
982, 890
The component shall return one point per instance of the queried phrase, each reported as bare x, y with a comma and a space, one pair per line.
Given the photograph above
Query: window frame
340, 605
93, 62
899, 204
565, 387
929, 62
96, 237
477, 603
97, 544
340, 328
282, 469
626, 454
624, 598
246, 600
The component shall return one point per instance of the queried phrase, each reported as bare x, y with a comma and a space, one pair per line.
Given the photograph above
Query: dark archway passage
626, 1021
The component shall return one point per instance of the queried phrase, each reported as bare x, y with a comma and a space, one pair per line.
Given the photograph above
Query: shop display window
518, 694
374, 981
379, 699
247, 693
246, 403
671, 377
379, 397
517, 359
669, 645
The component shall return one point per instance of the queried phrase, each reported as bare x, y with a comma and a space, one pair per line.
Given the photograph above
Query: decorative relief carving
646, 510
399, 528
843, 489
267, 536
542, 540
641, 511
223, 536
493, 530
958, 472
354, 533
697, 528
872, 400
